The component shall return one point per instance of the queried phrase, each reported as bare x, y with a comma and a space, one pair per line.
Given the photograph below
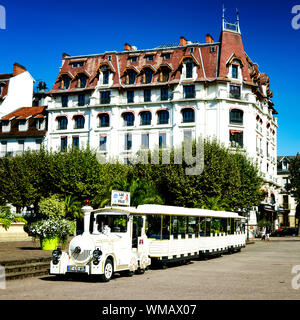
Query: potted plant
53, 228
50, 232
12, 226
8, 218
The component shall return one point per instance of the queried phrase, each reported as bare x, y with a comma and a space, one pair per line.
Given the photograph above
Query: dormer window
130, 76
150, 57
65, 82
82, 81
77, 64
164, 74
235, 71
105, 77
5, 125
40, 124
105, 74
167, 56
22, 125
133, 59
235, 65
189, 69
147, 75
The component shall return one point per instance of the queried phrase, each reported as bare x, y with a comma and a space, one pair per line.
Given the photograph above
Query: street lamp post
248, 217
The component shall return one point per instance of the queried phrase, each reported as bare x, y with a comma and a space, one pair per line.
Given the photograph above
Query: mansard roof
212, 61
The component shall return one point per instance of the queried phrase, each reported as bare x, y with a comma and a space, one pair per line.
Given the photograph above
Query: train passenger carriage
119, 239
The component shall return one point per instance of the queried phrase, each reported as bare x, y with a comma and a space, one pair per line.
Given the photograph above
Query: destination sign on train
120, 198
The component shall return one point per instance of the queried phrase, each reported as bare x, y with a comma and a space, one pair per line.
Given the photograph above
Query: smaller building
287, 203
23, 129
16, 90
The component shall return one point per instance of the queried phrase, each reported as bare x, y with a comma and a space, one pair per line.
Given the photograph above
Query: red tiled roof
24, 113
211, 65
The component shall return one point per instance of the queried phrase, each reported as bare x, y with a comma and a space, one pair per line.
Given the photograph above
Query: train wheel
108, 271
140, 271
128, 273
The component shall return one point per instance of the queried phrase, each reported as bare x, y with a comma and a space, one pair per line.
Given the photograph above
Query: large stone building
121, 102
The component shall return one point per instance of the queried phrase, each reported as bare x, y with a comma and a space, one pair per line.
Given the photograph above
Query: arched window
128, 119
103, 120
236, 116
79, 122
188, 115
62, 123
163, 117
146, 118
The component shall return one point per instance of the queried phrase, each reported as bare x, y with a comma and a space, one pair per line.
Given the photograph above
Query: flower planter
14, 233
49, 243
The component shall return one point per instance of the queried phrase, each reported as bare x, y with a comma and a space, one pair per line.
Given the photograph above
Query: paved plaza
261, 271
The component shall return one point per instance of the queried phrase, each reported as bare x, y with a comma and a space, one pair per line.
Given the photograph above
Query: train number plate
76, 269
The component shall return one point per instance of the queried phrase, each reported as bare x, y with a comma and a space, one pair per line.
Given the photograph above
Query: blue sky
38, 32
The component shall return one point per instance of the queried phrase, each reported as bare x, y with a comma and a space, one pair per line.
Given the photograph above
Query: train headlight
96, 256
56, 254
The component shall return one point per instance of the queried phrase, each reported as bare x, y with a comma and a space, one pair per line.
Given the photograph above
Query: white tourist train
119, 239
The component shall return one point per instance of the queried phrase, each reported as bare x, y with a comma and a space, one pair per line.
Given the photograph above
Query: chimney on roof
183, 41
65, 55
127, 47
209, 39
18, 69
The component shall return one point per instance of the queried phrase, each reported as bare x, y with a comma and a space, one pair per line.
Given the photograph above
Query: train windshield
116, 223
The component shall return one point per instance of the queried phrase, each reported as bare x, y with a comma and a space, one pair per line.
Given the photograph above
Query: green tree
72, 207
229, 181
294, 185
52, 207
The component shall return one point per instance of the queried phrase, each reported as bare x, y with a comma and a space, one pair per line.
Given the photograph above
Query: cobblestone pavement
261, 271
